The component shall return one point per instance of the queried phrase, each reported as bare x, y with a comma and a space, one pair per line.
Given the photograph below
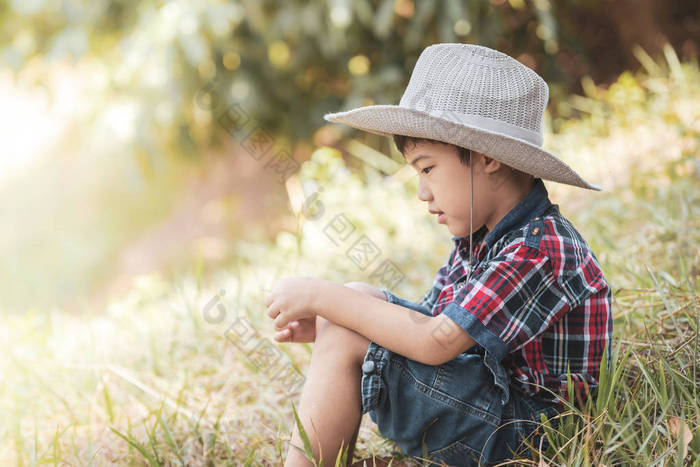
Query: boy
465, 373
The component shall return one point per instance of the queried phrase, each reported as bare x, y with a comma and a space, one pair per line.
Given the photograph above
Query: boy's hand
292, 299
303, 330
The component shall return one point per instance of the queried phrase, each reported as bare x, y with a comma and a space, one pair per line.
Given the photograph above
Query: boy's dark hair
402, 141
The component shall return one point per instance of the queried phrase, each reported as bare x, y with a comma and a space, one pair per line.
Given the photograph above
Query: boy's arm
425, 339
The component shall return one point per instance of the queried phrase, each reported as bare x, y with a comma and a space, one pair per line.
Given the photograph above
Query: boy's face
444, 184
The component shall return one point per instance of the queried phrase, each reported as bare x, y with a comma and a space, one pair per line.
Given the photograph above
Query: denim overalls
454, 408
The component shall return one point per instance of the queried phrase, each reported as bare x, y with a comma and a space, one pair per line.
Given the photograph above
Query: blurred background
157, 153
116, 163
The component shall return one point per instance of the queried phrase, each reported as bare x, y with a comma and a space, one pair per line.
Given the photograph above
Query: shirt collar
533, 205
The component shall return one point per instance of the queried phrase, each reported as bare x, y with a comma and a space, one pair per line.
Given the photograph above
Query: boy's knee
331, 337
325, 327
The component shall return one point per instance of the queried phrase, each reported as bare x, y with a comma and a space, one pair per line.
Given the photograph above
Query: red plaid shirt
536, 300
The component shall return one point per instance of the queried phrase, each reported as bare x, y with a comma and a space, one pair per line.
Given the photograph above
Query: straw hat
477, 98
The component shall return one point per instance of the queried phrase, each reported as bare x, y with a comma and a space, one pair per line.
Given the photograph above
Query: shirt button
368, 366
535, 230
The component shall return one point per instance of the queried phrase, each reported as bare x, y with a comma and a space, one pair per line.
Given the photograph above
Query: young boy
463, 376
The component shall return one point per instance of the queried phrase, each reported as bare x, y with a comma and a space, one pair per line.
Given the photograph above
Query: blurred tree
184, 64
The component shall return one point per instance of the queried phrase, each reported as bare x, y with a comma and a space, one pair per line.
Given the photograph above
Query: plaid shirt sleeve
509, 300
542, 302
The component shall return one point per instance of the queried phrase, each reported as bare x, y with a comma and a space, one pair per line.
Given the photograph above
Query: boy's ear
491, 165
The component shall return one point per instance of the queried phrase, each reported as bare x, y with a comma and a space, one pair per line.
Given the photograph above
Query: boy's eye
427, 169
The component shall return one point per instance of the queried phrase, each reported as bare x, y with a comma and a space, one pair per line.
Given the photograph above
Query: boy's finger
283, 335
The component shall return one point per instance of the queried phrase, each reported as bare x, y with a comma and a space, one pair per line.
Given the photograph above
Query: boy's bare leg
330, 405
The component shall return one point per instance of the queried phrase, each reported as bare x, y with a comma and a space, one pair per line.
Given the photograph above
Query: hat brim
389, 120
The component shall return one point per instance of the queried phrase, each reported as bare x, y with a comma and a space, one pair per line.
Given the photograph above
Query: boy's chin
457, 232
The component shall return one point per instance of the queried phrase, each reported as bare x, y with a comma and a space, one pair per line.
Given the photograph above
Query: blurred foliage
180, 392
288, 63
69, 222
640, 139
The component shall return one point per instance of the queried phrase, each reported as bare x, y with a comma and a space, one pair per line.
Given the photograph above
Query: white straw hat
477, 98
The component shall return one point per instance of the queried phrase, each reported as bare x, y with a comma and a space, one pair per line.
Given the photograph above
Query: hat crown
467, 81
472, 97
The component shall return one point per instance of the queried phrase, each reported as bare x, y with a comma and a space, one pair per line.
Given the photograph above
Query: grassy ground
183, 371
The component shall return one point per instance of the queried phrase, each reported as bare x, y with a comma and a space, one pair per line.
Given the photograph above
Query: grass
154, 380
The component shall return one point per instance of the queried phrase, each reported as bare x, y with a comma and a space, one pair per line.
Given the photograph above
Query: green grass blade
308, 451
138, 446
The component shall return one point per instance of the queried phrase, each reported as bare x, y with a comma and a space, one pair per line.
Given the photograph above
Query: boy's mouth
441, 215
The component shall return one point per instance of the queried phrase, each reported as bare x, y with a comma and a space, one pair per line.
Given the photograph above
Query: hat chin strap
471, 209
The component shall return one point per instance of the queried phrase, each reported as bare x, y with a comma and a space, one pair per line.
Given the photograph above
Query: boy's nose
424, 196
423, 193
